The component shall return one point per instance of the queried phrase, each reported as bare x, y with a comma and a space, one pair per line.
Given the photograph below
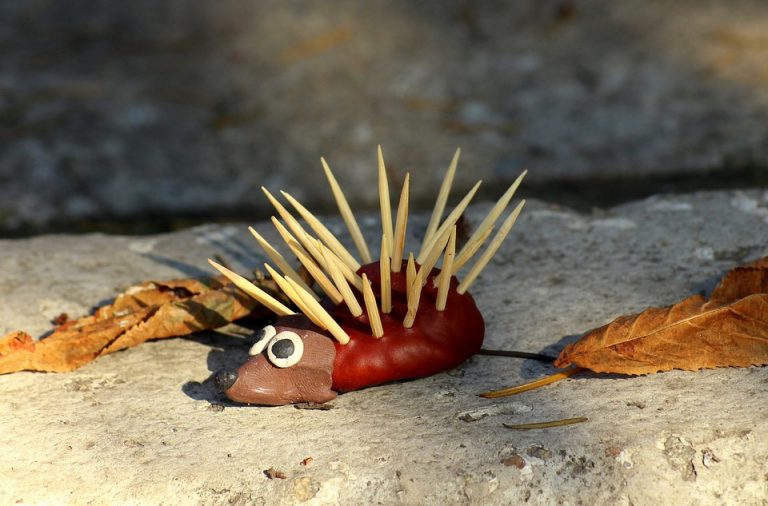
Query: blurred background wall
147, 115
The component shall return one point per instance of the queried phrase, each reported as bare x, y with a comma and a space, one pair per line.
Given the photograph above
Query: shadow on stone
227, 350
554, 349
532, 369
204, 391
183, 267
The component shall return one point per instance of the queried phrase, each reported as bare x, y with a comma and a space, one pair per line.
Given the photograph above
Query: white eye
285, 349
262, 339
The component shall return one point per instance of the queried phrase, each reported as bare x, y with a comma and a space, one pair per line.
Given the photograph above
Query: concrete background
146, 117
145, 425
140, 116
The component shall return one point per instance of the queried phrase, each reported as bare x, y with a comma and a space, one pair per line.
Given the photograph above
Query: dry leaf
741, 282
728, 330
152, 310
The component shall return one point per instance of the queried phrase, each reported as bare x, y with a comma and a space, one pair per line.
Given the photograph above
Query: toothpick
449, 221
341, 283
300, 253
316, 273
491, 250
299, 233
386, 211
400, 226
410, 272
288, 238
288, 290
348, 273
346, 213
279, 260
444, 280
489, 220
323, 233
434, 254
413, 295
254, 291
470, 249
386, 279
442, 199
328, 323
373, 311
285, 234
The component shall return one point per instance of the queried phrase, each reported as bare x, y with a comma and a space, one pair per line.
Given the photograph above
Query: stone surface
123, 111
145, 426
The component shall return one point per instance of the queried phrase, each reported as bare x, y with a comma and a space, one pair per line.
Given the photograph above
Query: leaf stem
546, 380
546, 425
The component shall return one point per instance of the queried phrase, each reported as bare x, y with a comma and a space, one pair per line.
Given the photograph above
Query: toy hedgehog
378, 322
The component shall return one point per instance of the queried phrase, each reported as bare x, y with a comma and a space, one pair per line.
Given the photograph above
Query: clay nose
224, 379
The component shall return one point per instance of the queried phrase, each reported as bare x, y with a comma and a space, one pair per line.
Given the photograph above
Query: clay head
291, 361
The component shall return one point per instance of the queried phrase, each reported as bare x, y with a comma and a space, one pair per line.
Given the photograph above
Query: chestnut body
438, 340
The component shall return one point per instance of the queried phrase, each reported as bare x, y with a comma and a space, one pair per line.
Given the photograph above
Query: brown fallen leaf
728, 330
152, 310
741, 282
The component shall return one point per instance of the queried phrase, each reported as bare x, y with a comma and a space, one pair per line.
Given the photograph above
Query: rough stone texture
144, 425
114, 110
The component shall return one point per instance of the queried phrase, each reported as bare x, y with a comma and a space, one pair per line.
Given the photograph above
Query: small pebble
273, 473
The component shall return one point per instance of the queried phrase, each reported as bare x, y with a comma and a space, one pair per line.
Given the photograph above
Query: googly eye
262, 339
285, 349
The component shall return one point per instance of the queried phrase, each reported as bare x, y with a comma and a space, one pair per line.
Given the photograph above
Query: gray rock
144, 425
116, 111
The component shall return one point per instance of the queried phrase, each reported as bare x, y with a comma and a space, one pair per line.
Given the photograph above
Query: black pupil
283, 348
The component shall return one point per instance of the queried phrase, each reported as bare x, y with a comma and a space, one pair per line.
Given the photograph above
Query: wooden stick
346, 213
298, 250
442, 199
373, 311
328, 322
491, 250
434, 254
532, 385
386, 211
288, 290
284, 233
418, 280
444, 280
316, 273
386, 279
400, 226
489, 220
323, 233
410, 272
288, 238
279, 260
449, 221
348, 273
254, 291
299, 233
341, 283
468, 253
413, 295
